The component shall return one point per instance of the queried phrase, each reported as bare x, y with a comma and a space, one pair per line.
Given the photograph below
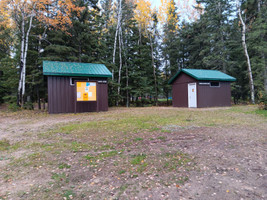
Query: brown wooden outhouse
197, 88
76, 87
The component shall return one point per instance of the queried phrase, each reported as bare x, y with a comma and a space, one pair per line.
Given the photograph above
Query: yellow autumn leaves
54, 13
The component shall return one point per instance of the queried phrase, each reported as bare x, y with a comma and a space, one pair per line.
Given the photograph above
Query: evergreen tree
170, 46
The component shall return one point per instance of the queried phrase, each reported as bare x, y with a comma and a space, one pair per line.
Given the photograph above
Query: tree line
142, 46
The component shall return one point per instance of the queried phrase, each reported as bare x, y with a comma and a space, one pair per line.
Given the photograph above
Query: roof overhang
55, 68
230, 79
77, 75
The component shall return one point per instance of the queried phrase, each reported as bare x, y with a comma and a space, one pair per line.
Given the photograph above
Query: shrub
28, 105
263, 102
13, 107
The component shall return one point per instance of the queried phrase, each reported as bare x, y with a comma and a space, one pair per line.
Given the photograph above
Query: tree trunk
154, 70
21, 60
43, 100
127, 85
23, 56
24, 59
80, 52
116, 33
265, 76
38, 98
124, 49
251, 82
120, 68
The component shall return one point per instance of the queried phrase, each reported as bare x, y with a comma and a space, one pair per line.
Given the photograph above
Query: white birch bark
251, 82
116, 33
25, 56
21, 57
23, 53
120, 68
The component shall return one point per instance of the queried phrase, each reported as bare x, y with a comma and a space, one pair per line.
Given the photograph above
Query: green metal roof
54, 68
204, 75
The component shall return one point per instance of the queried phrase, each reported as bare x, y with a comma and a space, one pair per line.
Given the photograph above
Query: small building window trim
102, 81
215, 84
73, 79
204, 83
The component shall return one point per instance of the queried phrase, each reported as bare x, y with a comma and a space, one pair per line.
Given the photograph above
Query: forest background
143, 46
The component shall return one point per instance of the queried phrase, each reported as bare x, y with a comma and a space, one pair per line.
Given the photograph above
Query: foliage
8, 81
263, 102
154, 44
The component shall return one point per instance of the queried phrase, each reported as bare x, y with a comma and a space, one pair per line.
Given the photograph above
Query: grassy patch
106, 147
163, 138
78, 146
94, 159
115, 141
142, 167
122, 171
138, 139
59, 177
173, 161
261, 112
63, 166
4, 145
138, 159
67, 129
68, 194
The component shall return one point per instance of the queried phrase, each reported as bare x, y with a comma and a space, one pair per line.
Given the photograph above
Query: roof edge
174, 77
200, 79
82, 75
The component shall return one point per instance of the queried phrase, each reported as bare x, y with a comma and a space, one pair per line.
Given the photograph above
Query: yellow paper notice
86, 91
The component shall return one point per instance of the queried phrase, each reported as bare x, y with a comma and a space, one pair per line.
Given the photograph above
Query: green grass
63, 166
69, 194
116, 141
138, 139
138, 159
172, 161
122, 171
94, 159
261, 112
60, 178
153, 121
4, 145
249, 110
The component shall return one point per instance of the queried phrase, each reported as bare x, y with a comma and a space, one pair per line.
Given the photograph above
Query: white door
192, 95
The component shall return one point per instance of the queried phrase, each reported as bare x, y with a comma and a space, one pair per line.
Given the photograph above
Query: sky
158, 2
181, 5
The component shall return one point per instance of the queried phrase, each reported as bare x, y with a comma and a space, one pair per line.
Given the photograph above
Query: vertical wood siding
179, 90
206, 96
214, 96
61, 96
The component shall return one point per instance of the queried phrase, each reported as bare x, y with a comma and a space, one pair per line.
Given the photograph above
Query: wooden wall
179, 90
61, 96
206, 96
214, 96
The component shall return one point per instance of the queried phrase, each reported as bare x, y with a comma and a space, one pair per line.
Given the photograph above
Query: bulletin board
86, 91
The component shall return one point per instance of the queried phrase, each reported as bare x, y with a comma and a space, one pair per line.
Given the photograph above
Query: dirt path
232, 165
231, 161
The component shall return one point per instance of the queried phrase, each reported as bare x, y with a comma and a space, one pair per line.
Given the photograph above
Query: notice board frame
97, 96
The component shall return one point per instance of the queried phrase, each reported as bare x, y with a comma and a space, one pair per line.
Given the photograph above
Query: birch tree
244, 44
118, 35
53, 13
